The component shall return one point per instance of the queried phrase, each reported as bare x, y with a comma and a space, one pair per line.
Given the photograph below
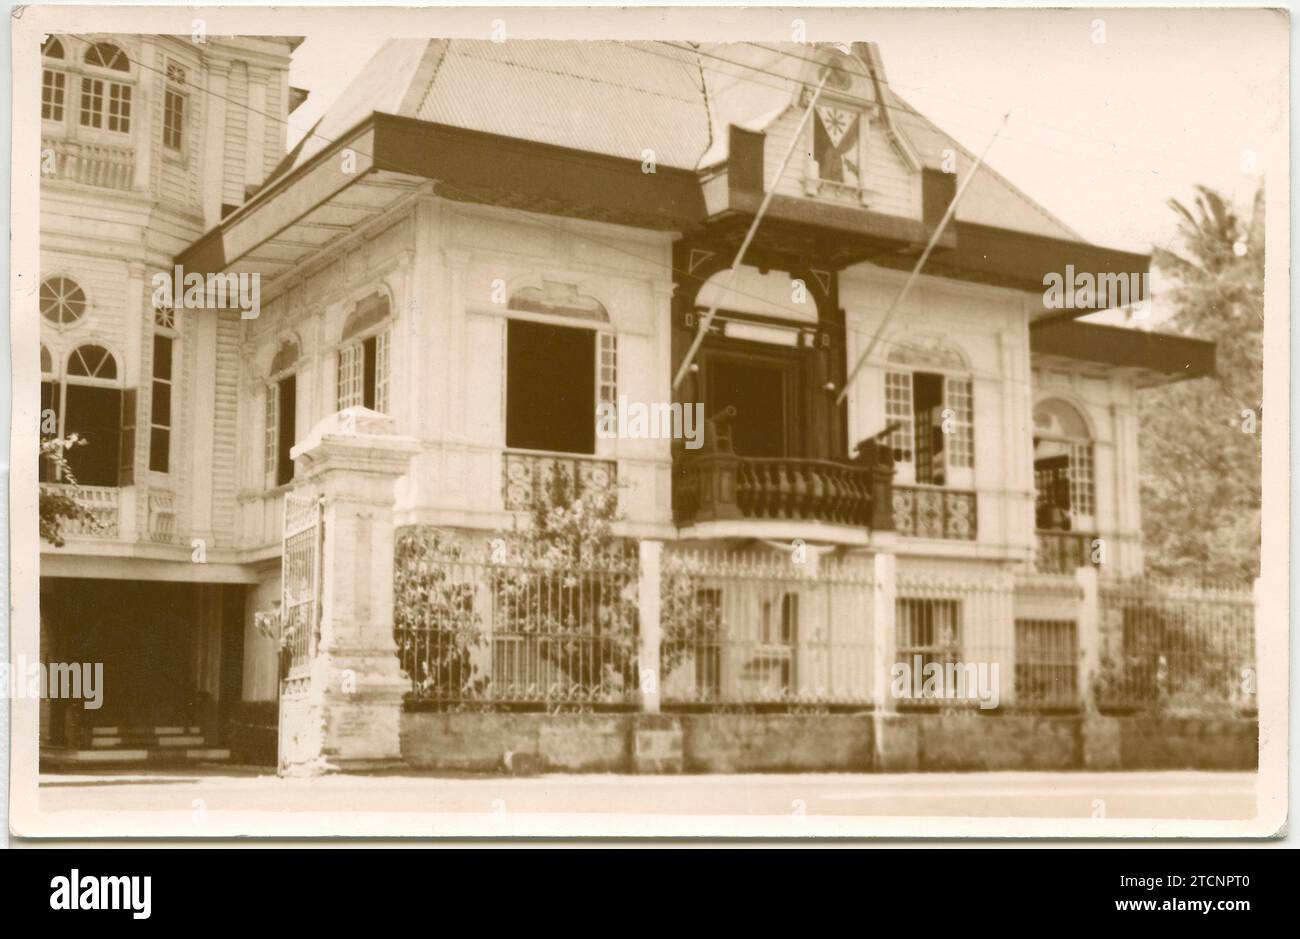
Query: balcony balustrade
92, 164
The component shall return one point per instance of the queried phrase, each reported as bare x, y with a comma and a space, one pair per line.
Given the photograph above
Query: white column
212, 169
884, 594
1089, 630
651, 553
202, 393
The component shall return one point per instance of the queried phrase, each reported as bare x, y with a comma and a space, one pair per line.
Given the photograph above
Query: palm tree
1201, 439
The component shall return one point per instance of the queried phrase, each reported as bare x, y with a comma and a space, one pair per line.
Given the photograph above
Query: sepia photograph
649, 423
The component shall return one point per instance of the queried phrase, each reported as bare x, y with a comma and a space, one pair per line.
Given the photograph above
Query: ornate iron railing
525, 475
1062, 552
931, 512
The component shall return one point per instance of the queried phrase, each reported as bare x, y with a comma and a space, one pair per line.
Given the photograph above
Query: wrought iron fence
771, 629
1049, 659
1176, 645
951, 647
481, 626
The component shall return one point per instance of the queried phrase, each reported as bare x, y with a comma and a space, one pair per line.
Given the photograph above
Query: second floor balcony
91, 164
716, 484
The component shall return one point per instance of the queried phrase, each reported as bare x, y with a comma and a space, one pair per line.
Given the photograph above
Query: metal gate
300, 587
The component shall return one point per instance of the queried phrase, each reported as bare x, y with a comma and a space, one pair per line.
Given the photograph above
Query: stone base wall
251, 732
789, 743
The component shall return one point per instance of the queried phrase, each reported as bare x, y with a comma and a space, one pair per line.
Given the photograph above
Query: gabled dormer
851, 152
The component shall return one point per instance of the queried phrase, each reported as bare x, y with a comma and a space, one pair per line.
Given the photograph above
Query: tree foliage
58, 505
1201, 439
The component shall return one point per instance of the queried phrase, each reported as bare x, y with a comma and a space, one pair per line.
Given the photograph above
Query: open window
280, 425
1064, 478
934, 443
363, 359
550, 387
90, 403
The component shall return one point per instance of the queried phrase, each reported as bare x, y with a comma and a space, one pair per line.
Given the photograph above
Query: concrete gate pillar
349, 715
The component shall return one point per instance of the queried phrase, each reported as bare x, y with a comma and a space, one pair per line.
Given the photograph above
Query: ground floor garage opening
170, 658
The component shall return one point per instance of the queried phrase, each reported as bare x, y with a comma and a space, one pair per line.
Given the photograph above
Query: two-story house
146, 141
485, 241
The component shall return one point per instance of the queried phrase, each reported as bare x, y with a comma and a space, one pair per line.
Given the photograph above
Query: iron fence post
651, 634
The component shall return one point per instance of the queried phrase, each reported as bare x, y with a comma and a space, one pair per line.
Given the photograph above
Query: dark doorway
287, 430
142, 633
760, 391
94, 414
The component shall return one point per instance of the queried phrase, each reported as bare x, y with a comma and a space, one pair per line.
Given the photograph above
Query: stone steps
134, 746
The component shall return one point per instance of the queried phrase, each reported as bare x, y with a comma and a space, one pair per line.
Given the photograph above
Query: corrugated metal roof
602, 97
623, 98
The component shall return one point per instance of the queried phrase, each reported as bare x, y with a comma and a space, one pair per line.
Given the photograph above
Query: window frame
107, 86
63, 378
164, 328
1034, 659
62, 90
271, 411
370, 373
604, 377
1081, 466
177, 88
85, 296
958, 475
944, 649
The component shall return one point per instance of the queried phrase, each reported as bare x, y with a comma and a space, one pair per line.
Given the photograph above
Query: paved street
192, 803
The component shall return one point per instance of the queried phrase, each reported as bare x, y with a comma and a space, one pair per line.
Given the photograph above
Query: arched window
90, 403
280, 427
54, 82
63, 302
363, 361
106, 101
928, 394
556, 375
106, 55
92, 362
1064, 478
49, 407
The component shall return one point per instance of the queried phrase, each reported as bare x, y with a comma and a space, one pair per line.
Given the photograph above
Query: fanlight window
92, 362
52, 48
63, 302
558, 299
47, 362
89, 403
107, 55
